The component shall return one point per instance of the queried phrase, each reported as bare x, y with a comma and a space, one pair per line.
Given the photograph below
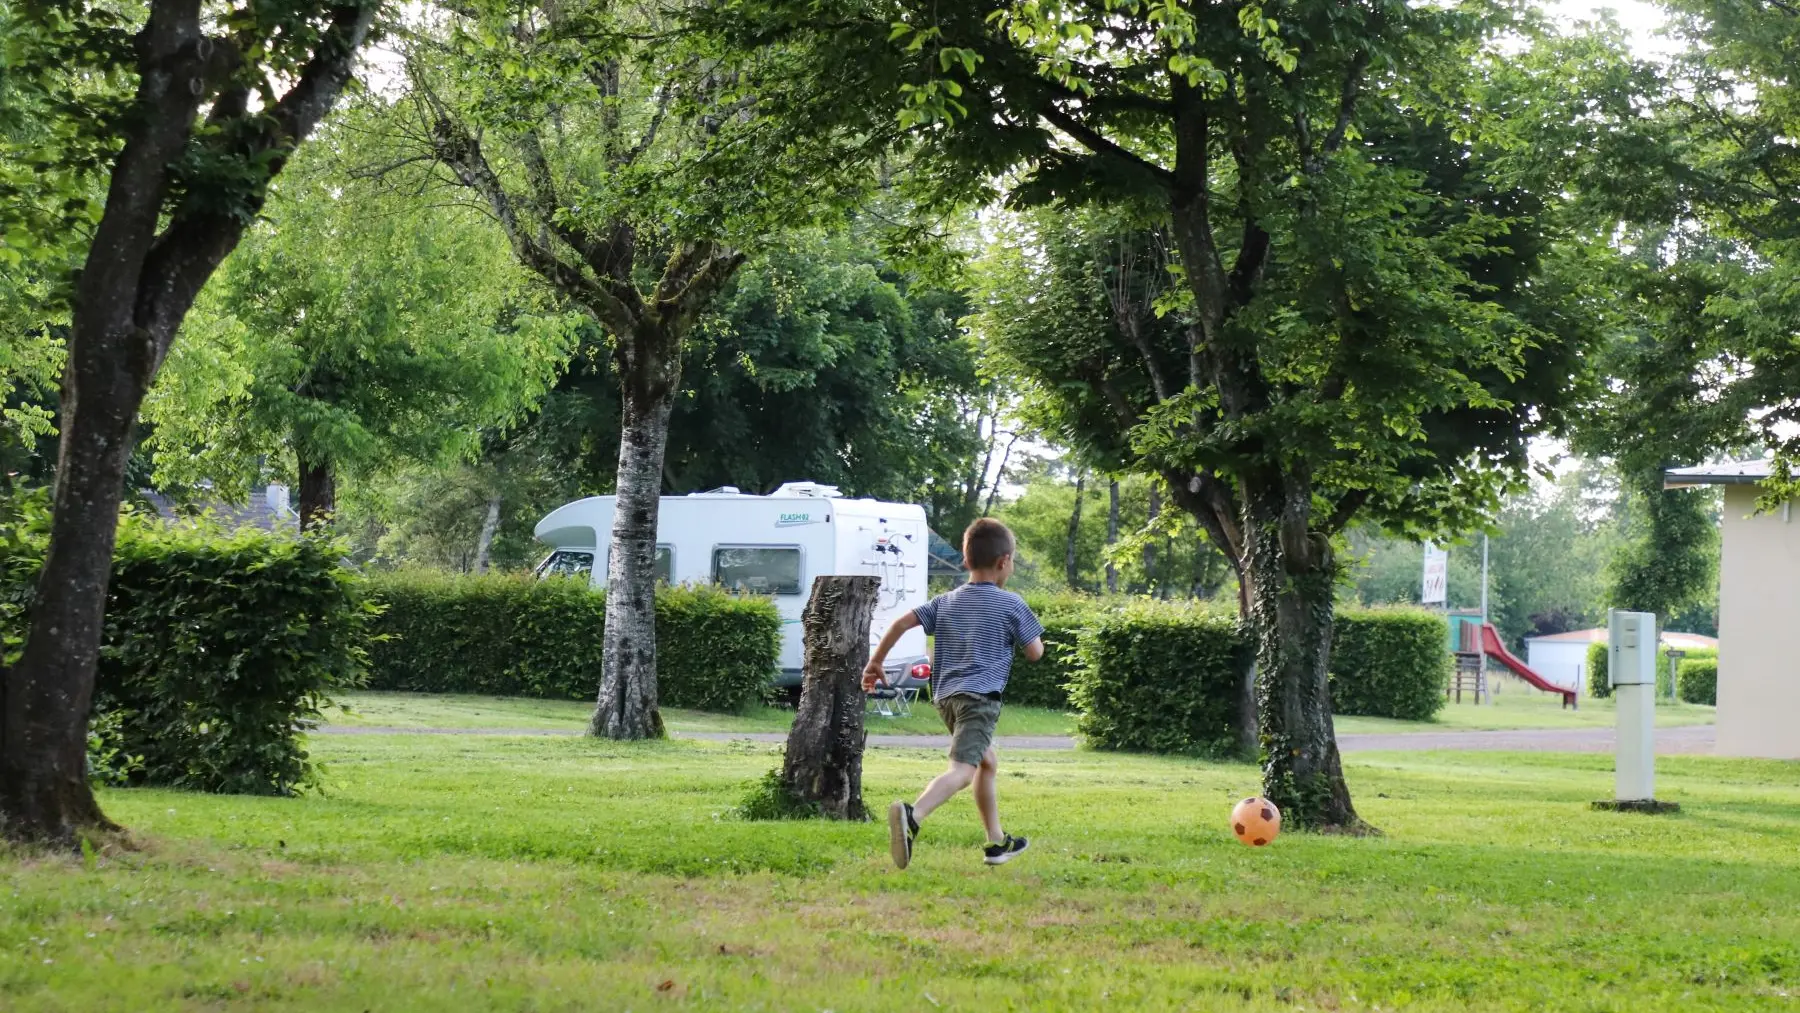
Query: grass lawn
1512, 708
1518, 706
567, 874
419, 710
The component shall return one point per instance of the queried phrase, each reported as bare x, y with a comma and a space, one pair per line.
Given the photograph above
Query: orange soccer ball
1255, 821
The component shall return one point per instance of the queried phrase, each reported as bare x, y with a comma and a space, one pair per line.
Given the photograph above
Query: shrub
1697, 680
514, 636
1389, 663
1045, 682
1597, 655
1161, 679
1598, 659
217, 648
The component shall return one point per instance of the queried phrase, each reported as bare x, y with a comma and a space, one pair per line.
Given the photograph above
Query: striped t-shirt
977, 627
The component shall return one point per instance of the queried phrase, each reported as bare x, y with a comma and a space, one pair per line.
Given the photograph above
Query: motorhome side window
567, 563
665, 563
757, 569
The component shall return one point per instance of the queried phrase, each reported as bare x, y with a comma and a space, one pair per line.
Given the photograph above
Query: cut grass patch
1513, 708
571, 874
1517, 706
423, 710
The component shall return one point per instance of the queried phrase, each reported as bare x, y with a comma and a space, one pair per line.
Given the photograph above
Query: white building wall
1561, 661
1759, 651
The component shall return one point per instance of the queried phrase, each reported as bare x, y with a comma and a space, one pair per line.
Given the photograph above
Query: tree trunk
1071, 569
823, 765
1291, 579
44, 792
1150, 576
1112, 536
627, 705
133, 291
317, 494
485, 541
994, 489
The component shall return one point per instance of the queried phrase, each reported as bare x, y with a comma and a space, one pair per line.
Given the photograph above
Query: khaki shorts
971, 721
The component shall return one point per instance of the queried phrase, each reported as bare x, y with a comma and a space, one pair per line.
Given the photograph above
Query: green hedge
1163, 679
217, 649
1045, 682
1598, 657
512, 636
1389, 663
1697, 680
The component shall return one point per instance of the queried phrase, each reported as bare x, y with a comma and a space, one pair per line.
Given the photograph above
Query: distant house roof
1729, 473
266, 509
1597, 635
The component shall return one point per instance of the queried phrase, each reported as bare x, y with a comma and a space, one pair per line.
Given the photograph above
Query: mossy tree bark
823, 766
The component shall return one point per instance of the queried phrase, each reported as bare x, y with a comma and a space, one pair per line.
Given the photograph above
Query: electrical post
1482, 692
1631, 669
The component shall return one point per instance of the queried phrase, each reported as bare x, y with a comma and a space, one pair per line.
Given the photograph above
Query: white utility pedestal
1631, 670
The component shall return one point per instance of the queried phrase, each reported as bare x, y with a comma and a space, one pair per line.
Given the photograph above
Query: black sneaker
902, 829
1002, 853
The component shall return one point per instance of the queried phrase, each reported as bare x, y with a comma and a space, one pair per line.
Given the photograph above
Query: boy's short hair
985, 542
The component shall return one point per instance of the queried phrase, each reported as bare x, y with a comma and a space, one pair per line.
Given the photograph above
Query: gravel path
1686, 740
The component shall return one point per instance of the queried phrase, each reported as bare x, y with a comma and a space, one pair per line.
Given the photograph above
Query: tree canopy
347, 334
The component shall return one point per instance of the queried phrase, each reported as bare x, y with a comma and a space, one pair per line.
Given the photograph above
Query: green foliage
1671, 560
1389, 663
1597, 665
1045, 682
1599, 658
1163, 555
353, 332
219, 648
1548, 554
1697, 681
1161, 679
513, 636
770, 799
818, 360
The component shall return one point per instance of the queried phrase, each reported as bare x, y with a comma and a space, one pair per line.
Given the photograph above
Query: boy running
977, 626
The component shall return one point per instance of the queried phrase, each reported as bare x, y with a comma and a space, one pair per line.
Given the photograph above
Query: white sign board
1436, 589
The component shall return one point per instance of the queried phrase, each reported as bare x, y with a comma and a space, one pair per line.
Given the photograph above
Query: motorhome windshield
567, 563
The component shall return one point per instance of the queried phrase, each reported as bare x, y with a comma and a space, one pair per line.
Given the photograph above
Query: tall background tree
350, 334
630, 171
187, 114
1371, 317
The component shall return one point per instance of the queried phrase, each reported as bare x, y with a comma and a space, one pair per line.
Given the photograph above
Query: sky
1640, 18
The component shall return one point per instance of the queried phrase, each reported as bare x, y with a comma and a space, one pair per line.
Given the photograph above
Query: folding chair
891, 701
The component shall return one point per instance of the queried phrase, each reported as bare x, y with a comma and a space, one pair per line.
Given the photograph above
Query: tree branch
1096, 142
1345, 510
198, 237
1347, 101
461, 152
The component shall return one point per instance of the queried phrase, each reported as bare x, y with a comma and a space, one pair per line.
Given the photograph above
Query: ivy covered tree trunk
317, 499
823, 763
1292, 577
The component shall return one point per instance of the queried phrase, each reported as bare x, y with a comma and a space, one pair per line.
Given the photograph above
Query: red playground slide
1493, 648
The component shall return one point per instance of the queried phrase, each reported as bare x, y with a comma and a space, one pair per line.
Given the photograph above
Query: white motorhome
773, 545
